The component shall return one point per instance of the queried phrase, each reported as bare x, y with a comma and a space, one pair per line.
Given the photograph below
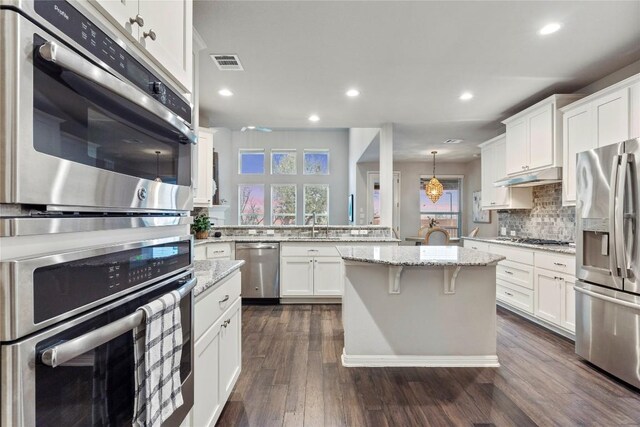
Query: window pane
251, 162
316, 162
283, 204
251, 204
316, 201
283, 162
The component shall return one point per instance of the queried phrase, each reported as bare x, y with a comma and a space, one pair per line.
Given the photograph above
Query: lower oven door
96, 387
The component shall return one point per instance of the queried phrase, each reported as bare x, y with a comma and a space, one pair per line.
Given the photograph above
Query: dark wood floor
292, 376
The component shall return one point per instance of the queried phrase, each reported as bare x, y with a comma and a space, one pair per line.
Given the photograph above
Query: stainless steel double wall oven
95, 200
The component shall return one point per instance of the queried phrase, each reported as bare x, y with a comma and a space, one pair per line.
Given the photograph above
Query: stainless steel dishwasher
261, 271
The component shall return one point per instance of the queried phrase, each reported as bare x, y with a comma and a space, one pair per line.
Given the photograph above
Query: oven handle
69, 350
65, 58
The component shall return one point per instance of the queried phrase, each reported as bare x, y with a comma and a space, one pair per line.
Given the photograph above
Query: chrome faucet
313, 226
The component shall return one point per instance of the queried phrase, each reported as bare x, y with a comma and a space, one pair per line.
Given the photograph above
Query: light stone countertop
211, 272
563, 249
290, 239
427, 256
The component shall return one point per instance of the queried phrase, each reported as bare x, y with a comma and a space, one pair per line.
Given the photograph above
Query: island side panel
422, 320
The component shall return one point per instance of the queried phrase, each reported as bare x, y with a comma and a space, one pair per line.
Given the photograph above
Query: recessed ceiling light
466, 96
314, 118
251, 127
352, 93
549, 29
225, 92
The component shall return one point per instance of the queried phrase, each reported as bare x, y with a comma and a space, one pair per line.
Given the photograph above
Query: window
251, 204
283, 162
316, 201
447, 210
316, 162
251, 162
283, 204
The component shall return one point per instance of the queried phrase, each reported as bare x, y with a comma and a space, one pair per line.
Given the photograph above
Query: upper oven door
76, 136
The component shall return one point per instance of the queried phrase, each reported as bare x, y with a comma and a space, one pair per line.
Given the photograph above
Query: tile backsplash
548, 219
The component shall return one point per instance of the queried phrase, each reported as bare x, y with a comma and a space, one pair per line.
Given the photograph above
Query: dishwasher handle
256, 246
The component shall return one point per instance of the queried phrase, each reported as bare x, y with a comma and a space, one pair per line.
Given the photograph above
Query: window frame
293, 151
295, 209
314, 150
264, 210
459, 213
242, 151
304, 205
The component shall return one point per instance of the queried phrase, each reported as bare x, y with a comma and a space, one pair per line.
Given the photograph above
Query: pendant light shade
434, 188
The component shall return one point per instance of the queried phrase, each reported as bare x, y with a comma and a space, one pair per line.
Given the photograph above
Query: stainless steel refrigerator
608, 259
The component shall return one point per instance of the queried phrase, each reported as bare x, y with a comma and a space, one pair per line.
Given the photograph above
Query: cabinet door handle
225, 299
151, 34
137, 20
559, 264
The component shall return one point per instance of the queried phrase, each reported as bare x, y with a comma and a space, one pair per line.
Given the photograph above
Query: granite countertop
563, 249
255, 239
210, 272
418, 255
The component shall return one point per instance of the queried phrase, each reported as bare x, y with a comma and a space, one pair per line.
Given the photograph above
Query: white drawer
514, 295
525, 256
219, 250
309, 250
210, 305
478, 246
515, 273
556, 262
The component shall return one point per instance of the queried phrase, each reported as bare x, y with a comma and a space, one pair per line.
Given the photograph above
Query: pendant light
158, 179
433, 189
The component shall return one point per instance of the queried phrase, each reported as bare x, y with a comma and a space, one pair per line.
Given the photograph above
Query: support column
386, 175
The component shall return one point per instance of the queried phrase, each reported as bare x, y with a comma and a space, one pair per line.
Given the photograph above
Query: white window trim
284, 150
295, 209
319, 150
242, 151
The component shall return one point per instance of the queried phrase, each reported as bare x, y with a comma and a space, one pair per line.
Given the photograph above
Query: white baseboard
353, 361
310, 300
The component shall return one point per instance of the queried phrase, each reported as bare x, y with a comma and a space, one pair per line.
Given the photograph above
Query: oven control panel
84, 32
62, 287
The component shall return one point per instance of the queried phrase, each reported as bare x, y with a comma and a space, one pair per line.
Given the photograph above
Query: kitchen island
419, 306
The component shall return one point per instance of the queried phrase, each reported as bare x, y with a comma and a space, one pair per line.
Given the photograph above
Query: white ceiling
410, 60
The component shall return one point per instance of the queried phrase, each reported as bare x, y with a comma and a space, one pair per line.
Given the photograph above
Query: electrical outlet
513, 233
354, 232
364, 232
503, 231
270, 232
253, 232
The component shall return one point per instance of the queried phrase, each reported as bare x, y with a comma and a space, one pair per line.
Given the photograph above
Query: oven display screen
63, 287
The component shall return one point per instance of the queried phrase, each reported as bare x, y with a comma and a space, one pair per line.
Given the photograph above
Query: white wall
337, 141
359, 141
472, 181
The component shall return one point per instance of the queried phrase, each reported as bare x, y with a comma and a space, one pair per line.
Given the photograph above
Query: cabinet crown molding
560, 100
629, 81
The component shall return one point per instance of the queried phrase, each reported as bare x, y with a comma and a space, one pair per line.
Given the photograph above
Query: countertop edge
567, 250
199, 289
423, 264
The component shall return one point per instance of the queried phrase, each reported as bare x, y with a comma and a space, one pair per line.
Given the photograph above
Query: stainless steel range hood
531, 179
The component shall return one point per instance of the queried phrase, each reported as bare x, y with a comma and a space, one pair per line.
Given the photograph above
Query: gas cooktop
531, 241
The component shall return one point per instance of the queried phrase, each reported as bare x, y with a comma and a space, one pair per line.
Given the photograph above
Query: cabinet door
171, 21
207, 400
540, 137
548, 296
296, 276
577, 137
501, 195
611, 117
203, 170
517, 152
328, 278
230, 349
487, 165
569, 304
119, 12
200, 252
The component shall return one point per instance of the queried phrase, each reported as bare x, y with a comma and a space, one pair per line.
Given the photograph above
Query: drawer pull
509, 272
508, 293
225, 299
559, 264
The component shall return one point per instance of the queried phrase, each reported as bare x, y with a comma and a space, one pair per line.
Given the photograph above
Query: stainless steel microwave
85, 124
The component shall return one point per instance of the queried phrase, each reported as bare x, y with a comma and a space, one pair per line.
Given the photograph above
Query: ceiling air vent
227, 62
452, 141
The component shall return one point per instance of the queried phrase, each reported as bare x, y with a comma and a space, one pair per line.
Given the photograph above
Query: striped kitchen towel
158, 348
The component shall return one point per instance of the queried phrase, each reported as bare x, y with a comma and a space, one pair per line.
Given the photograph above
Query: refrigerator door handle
613, 196
620, 195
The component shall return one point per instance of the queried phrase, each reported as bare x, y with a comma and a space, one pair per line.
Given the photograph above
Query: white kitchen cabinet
548, 296
296, 276
203, 169
568, 318
534, 136
217, 350
606, 117
328, 278
169, 22
216, 251
493, 169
